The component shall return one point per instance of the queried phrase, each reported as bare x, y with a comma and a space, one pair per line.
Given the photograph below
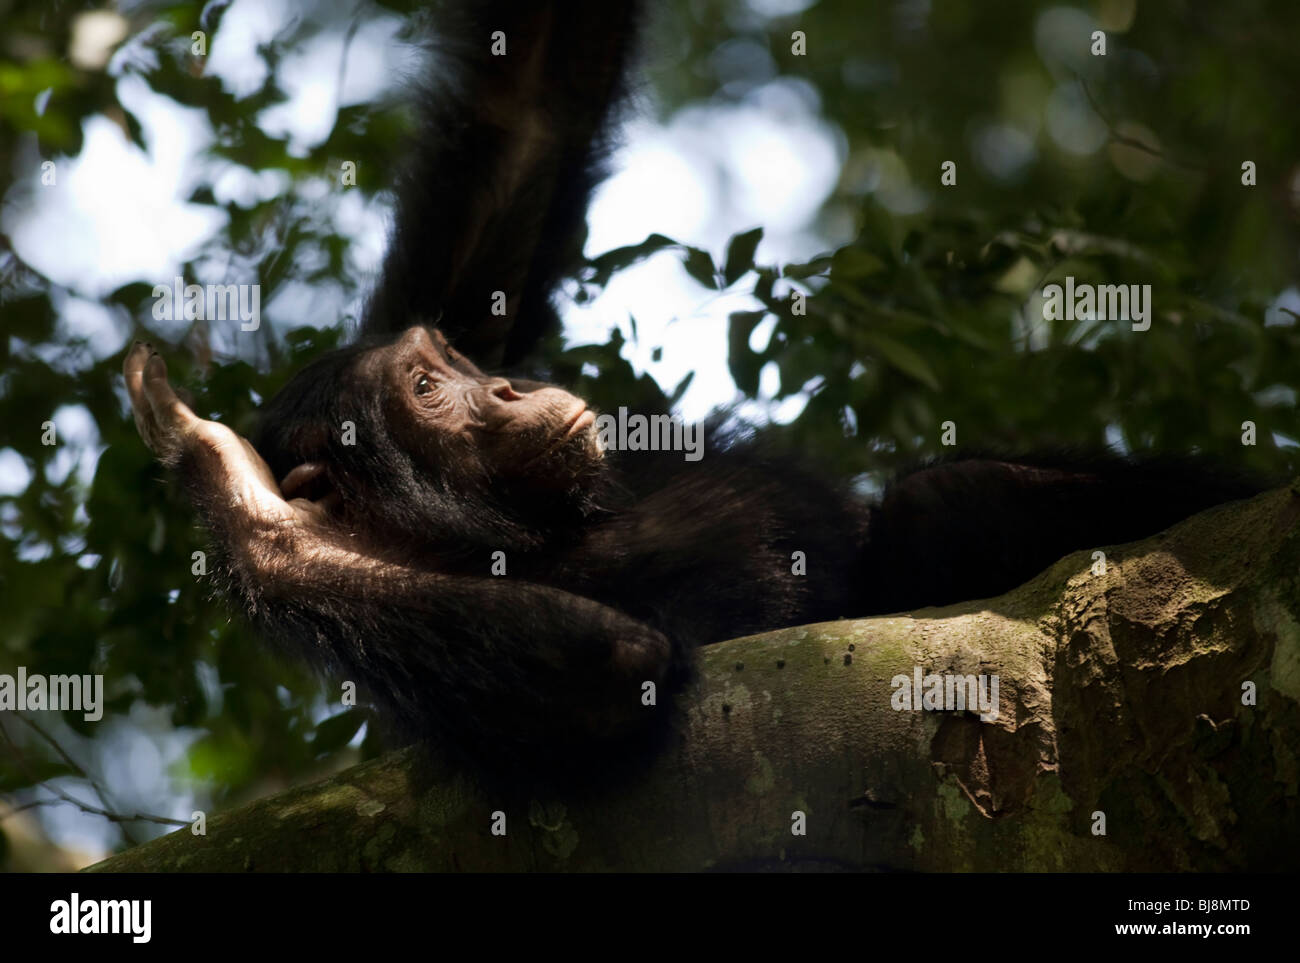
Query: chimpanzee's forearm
496, 666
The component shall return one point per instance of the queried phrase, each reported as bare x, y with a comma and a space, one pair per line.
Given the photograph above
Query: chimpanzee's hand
226, 465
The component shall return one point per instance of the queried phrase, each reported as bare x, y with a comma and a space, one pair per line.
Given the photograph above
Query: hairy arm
509, 148
496, 666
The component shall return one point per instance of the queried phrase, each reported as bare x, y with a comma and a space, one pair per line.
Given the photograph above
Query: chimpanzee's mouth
582, 420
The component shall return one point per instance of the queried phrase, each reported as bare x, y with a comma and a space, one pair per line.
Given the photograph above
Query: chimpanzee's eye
423, 385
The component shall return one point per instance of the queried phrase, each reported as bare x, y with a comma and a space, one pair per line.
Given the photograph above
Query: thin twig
120, 818
1125, 140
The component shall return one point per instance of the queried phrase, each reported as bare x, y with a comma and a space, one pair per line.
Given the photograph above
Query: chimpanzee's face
464, 424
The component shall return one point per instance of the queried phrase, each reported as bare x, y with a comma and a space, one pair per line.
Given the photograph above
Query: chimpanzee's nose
502, 389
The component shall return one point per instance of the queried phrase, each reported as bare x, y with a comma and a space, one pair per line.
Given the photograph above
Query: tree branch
1123, 702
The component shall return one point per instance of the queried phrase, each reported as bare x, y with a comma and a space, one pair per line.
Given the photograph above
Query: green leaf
743, 362
700, 266
607, 264
818, 265
680, 390
900, 356
851, 263
740, 254
337, 731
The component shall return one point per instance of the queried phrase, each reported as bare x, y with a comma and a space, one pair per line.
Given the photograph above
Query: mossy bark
1159, 702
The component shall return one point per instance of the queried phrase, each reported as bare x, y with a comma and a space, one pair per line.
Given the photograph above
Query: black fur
479, 211
662, 555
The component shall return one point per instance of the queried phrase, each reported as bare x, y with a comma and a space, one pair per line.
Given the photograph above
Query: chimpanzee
460, 544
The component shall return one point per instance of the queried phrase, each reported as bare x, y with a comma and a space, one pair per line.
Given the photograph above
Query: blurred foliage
927, 315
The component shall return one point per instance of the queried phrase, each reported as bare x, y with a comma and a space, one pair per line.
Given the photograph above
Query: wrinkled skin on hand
229, 464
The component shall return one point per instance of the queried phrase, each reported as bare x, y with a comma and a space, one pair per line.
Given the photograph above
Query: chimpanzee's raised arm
514, 130
505, 671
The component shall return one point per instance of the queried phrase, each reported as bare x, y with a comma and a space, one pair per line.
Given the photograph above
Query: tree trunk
1148, 719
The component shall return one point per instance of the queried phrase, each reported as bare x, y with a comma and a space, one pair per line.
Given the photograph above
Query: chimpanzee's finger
133, 373
169, 411
300, 477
